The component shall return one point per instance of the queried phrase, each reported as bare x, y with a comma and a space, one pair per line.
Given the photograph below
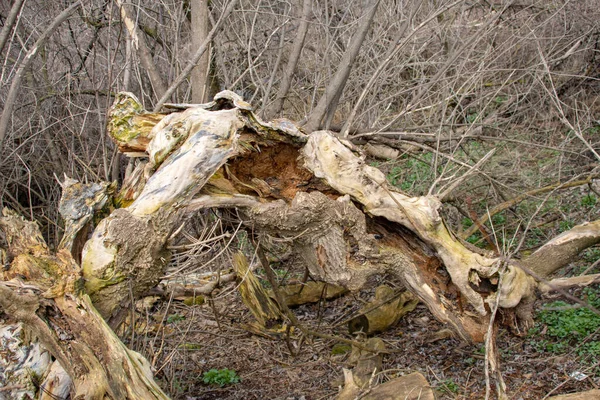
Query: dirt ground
183, 342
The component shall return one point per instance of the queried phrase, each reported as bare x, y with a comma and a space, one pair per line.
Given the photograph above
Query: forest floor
184, 342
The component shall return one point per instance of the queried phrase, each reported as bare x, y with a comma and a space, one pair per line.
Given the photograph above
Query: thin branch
25, 64
464, 176
385, 63
192, 64
516, 200
10, 21
328, 102
286, 79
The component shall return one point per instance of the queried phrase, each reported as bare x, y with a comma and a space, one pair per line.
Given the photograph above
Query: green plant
500, 99
498, 219
448, 385
566, 326
591, 255
466, 222
174, 318
564, 226
589, 201
412, 174
220, 377
472, 117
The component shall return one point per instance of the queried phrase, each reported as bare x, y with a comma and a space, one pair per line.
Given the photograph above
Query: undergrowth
562, 327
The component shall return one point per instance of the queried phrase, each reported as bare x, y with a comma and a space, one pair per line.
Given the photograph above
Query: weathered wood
310, 292
20, 362
254, 295
409, 387
367, 362
383, 312
43, 291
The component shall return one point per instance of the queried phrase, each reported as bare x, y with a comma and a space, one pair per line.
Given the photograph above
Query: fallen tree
315, 192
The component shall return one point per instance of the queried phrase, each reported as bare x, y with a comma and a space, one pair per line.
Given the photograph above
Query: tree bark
200, 72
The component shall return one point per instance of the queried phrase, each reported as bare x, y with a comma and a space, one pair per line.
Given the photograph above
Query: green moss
340, 348
194, 301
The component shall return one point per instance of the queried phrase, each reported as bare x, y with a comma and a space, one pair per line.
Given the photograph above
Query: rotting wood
383, 312
367, 362
42, 290
409, 387
337, 214
310, 292
254, 295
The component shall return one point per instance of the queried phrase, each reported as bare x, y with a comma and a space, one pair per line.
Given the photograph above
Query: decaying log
254, 295
367, 362
315, 192
310, 292
383, 312
409, 387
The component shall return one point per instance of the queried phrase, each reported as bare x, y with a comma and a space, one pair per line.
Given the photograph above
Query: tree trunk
199, 35
337, 213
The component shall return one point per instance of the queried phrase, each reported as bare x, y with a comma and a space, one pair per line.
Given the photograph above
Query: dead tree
316, 191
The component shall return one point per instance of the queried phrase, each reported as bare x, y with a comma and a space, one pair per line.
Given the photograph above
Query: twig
453, 185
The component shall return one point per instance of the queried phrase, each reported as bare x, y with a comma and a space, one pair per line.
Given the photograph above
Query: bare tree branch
516, 200
10, 21
328, 102
188, 69
199, 74
16, 83
140, 45
286, 79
